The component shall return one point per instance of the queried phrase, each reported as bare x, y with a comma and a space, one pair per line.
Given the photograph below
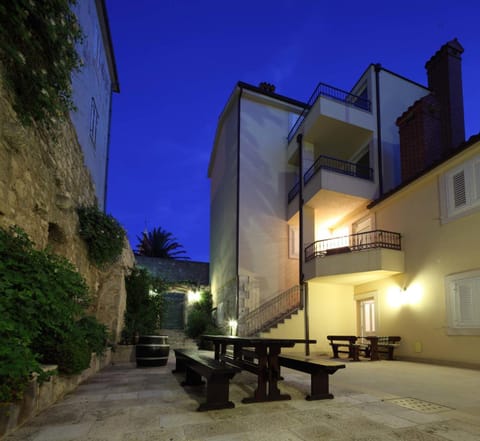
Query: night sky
178, 61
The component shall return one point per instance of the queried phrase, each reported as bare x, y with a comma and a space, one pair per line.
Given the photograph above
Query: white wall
223, 215
263, 229
396, 96
93, 80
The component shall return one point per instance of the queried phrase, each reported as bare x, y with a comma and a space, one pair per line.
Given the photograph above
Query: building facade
92, 88
377, 236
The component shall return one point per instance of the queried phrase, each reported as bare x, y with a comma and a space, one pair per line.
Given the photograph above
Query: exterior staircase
271, 313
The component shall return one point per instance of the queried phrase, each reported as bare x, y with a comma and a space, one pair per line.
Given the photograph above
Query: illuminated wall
413, 304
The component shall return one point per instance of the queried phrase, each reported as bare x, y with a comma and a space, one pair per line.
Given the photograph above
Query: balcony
335, 165
333, 93
355, 259
335, 186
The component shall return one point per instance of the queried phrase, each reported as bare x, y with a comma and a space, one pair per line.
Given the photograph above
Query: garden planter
152, 350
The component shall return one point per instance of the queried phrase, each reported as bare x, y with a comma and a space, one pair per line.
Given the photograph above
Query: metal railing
271, 312
354, 242
338, 166
326, 90
333, 164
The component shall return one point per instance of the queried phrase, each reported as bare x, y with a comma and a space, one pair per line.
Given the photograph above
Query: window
463, 303
461, 193
93, 121
293, 242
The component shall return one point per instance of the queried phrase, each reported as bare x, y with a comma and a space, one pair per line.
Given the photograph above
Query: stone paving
374, 401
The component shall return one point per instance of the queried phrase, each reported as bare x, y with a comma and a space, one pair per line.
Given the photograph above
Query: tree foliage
143, 314
160, 243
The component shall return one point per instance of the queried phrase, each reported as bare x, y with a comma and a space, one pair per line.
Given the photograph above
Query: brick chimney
420, 132
434, 125
444, 71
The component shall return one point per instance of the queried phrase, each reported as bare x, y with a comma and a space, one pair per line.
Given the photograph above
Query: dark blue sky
178, 61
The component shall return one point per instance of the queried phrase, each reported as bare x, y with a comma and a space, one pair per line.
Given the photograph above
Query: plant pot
152, 350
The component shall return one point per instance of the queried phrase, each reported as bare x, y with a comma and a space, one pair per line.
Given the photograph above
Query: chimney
444, 71
420, 131
267, 87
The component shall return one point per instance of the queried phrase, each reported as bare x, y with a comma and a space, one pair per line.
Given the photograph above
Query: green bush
199, 317
143, 314
42, 299
37, 50
95, 334
104, 236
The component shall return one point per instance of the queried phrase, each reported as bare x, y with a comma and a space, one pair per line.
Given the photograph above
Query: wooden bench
218, 375
319, 371
381, 345
344, 341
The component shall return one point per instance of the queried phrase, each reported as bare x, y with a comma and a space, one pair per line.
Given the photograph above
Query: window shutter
477, 180
459, 193
467, 303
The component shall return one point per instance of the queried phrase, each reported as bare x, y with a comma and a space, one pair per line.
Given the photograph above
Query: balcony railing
323, 89
354, 242
336, 165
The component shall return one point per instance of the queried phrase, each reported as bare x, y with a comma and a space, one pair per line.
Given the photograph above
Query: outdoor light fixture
232, 324
405, 295
193, 296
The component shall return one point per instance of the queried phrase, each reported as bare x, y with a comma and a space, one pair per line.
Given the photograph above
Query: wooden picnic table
259, 356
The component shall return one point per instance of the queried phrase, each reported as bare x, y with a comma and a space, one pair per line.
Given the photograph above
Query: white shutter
467, 303
459, 190
476, 177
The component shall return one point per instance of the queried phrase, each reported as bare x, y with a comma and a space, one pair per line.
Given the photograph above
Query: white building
92, 87
333, 246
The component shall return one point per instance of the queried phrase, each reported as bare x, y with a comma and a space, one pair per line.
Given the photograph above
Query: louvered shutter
459, 190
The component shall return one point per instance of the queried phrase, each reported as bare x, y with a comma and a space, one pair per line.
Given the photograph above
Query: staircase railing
271, 312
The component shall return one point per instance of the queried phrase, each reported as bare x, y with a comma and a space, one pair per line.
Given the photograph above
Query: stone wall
40, 396
42, 182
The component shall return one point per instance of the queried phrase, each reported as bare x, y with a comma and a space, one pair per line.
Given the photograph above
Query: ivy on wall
38, 54
103, 235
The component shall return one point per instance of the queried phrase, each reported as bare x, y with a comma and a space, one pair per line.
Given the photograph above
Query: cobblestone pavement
384, 401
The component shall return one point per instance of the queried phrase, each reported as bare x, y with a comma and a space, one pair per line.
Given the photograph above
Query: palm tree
160, 243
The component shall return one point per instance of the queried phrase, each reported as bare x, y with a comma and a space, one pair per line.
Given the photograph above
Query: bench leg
319, 386
353, 352
192, 378
179, 365
217, 394
390, 353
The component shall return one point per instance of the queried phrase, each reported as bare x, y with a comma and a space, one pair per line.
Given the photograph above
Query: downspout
107, 159
378, 67
237, 257
301, 276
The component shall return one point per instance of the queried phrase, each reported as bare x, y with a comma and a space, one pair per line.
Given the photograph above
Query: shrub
143, 314
42, 297
104, 236
95, 334
199, 318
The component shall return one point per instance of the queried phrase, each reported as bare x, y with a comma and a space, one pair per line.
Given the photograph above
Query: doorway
367, 317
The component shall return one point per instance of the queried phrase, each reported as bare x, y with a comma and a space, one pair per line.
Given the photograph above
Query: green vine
104, 236
37, 50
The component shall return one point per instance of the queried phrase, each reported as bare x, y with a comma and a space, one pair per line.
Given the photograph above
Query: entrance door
368, 321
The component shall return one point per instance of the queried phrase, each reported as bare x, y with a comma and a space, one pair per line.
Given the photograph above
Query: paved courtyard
384, 401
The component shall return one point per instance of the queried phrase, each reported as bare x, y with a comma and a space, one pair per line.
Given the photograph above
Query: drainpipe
301, 281
378, 67
237, 245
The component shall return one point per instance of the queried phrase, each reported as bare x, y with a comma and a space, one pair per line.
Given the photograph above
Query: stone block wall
42, 182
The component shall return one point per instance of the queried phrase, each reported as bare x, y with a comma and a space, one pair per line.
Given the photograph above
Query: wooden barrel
152, 350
